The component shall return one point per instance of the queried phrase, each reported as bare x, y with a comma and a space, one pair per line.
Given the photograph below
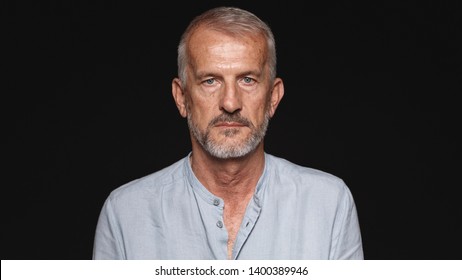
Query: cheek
201, 116
259, 110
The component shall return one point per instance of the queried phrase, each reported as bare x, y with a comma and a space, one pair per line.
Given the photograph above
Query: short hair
229, 20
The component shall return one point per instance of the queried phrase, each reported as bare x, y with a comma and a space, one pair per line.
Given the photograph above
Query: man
229, 199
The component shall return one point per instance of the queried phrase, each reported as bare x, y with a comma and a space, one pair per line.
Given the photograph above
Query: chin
230, 151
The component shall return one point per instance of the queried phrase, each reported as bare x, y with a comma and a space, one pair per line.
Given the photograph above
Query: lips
229, 124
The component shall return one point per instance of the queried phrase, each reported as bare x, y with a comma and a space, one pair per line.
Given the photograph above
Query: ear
179, 97
276, 95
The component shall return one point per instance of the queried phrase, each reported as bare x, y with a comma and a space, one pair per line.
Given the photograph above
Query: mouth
229, 124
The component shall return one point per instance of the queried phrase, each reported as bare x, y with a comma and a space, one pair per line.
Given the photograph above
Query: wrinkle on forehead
225, 51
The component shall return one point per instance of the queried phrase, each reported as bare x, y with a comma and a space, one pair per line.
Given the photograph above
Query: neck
229, 178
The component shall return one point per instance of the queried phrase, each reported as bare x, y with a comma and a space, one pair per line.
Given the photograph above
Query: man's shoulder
288, 173
153, 183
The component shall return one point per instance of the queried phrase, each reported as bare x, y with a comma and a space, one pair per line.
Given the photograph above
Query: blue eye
248, 80
209, 81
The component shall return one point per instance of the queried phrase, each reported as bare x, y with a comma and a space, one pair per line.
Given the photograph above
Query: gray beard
229, 151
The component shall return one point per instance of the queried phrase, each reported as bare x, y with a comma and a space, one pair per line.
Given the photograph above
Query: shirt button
216, 202
219, 224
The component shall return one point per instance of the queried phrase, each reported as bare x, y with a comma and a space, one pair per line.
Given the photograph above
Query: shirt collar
210, 198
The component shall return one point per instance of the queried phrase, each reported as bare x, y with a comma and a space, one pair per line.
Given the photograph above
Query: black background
371, 96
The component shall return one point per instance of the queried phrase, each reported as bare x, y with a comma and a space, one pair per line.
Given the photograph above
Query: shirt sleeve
107, 243
347, 243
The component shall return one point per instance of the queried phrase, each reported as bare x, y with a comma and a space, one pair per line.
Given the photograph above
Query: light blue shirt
295, 213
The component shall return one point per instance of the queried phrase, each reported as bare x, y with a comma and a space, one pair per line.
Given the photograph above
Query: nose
230, 99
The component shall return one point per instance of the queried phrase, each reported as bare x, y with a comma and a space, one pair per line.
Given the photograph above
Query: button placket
216, 202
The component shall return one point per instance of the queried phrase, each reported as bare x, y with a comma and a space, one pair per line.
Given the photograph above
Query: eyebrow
201, 74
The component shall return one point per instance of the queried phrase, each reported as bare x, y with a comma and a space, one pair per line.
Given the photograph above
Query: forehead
208, 44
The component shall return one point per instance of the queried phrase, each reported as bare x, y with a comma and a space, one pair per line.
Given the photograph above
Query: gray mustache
231, 118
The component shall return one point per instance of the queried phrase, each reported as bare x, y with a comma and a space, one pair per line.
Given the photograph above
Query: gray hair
229, 20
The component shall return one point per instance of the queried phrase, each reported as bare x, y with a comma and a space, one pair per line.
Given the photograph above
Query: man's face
228, 93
